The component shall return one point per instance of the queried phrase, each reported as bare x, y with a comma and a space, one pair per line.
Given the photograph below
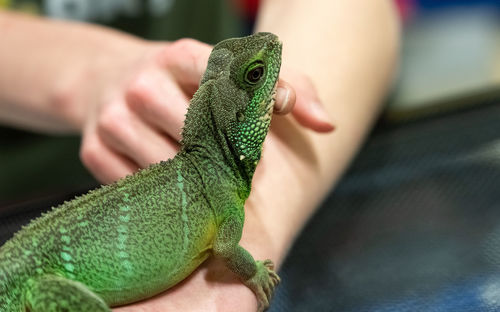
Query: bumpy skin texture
145, 233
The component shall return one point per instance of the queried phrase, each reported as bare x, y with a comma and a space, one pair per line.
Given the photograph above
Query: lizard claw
263, 283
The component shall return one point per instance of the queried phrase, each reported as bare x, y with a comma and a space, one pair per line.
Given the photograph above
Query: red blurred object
406, 8
247, 8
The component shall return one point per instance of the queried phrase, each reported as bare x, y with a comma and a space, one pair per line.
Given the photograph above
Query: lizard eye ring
254, 72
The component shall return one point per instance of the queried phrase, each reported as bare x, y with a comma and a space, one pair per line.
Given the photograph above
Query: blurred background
450, 57
415, 223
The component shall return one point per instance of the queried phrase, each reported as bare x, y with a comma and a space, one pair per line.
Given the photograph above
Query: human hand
138, 106
211, 287
139, 100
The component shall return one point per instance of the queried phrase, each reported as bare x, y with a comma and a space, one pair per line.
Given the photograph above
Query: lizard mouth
268, 109
277, 46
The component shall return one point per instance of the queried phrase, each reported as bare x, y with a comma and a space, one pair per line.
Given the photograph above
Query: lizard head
246, 73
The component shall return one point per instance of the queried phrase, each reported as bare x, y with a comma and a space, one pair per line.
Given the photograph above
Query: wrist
283, 197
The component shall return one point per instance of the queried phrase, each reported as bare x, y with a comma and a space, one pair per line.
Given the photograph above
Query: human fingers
307, 109
186, 60
285, 98
157, 99
105, 164
127, 134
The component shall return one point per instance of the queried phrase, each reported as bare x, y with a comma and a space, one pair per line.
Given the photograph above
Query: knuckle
63, 97
187, 49
137, 93
63, 100
185, 44
89, 154
111, 120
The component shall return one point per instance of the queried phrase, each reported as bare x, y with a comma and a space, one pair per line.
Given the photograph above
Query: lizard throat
250, 135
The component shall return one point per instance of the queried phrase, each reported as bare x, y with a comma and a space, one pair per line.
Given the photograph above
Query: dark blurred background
415, 223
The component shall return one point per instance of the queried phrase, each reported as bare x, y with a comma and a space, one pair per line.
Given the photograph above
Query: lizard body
143, 234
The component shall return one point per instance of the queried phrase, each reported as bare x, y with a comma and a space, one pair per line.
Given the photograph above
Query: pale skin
341, 53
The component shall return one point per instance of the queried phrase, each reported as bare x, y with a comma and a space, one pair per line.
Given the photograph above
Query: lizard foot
263, 283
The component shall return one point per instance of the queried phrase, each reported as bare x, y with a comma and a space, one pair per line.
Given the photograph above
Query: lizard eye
254, 72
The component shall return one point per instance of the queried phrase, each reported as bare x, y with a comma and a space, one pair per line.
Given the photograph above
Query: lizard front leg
259, 276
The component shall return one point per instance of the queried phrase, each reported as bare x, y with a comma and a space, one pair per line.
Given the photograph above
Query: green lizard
139, 236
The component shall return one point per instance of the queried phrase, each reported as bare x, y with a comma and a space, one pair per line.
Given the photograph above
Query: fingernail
282, 97
320, 113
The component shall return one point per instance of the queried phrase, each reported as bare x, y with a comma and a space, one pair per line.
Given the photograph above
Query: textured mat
413, 226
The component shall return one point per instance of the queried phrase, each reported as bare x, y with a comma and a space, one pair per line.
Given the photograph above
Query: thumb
303, 102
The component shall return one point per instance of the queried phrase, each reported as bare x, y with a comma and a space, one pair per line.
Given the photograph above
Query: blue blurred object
439, 4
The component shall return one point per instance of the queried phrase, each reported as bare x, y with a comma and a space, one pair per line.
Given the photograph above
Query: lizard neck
210, 149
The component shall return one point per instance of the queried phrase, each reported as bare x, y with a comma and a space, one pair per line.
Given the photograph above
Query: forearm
42, 61
349, 49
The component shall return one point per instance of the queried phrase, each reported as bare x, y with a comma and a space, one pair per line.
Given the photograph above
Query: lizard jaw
270, 106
